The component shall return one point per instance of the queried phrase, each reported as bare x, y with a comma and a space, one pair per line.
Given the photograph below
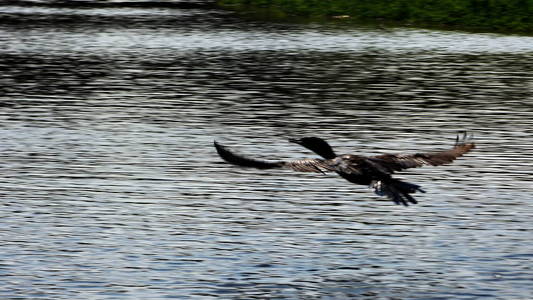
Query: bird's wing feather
398, 162
302, 165
309, 165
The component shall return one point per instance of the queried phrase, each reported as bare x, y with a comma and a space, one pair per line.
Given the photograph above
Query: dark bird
374, 171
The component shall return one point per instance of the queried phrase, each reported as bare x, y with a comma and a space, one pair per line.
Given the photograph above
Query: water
111, 188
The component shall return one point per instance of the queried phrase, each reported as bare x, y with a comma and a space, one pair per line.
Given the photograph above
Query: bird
373, 171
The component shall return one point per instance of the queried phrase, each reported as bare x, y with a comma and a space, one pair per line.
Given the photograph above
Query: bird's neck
325, 152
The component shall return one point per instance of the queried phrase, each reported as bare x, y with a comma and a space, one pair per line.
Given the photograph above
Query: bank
515, 16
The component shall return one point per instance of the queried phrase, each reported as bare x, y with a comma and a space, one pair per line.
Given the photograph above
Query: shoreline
465, 15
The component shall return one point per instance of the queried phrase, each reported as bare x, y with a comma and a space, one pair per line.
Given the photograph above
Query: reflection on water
111, 187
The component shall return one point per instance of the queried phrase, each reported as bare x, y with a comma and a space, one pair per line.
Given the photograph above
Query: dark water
111, 188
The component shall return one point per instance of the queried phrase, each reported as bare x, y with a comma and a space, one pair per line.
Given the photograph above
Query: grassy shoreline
512, 16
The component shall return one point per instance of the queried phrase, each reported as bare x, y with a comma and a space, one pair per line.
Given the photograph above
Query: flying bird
374, 171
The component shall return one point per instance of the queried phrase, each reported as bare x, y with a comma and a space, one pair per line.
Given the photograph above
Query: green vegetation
493, 15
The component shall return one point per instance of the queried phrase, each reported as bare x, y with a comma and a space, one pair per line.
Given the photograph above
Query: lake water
111, 188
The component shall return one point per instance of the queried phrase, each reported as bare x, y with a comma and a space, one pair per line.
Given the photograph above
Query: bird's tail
396, 190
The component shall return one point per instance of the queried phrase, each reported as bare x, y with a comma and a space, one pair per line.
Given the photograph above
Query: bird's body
375, 171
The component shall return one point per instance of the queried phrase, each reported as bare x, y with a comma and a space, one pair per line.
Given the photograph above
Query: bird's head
317, 145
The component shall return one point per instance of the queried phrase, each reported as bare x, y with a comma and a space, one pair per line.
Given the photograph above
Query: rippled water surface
112, 189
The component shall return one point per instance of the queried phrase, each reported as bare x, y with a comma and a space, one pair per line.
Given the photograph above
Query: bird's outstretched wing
302, 165
398, 162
